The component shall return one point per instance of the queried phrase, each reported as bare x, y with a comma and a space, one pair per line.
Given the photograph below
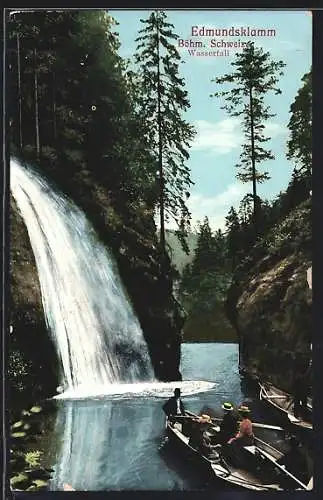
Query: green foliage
32, 458
232, 224
206, 280
161, 101
254, 75
35, 409
277, 225
294, 232
18, 370
299, 146
26, 471
86, 117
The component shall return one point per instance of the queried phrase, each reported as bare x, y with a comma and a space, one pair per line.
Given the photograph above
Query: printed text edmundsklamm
233, 31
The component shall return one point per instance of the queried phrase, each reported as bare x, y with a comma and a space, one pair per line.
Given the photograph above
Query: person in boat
174, 405
199, 438
197, 430
229, 425
244, 436
295, 460
301, 387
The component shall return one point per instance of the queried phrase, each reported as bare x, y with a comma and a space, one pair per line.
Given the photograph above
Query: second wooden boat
283, 403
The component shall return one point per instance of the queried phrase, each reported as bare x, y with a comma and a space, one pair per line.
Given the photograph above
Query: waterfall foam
97, 335
139, 390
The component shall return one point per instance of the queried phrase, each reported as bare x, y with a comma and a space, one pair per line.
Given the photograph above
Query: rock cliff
270, 303
32, 355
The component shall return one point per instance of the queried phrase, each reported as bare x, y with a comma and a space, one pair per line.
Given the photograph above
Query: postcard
161, 257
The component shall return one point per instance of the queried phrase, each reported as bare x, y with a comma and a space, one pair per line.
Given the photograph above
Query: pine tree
299, 146
245, 209
254, 75
204, 255
162, 99
233, 235
205, 281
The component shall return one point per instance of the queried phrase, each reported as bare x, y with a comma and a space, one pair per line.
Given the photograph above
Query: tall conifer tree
162, 100
254, 75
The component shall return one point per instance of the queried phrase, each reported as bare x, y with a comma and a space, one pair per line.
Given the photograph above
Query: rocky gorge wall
32, 355
270, 302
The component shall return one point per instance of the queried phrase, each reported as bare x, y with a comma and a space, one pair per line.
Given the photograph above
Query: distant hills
176, 253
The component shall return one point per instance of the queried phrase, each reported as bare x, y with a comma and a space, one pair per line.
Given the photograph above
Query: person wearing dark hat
174, 405
245, 436
229, 425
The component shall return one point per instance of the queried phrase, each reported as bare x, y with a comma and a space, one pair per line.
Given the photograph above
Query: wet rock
270, 302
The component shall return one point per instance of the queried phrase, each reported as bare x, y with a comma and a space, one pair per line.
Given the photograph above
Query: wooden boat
283, 403
260, 471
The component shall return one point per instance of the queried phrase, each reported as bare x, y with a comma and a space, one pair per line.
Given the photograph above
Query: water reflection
111, 445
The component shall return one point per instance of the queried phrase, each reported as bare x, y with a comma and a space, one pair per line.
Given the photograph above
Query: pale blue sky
217, 145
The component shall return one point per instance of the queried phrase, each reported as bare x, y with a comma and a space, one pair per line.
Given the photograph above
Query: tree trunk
19, 92
160, 152
36, 106
253, 162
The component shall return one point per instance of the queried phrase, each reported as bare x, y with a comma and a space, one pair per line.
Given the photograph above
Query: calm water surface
114, 443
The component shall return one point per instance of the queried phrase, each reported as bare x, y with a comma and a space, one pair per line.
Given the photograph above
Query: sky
217, 144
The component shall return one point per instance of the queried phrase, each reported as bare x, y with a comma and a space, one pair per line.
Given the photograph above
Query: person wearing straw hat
199, 439
229, 424
205, 419
245, 436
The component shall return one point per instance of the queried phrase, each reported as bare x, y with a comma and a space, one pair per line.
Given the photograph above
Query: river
112, 443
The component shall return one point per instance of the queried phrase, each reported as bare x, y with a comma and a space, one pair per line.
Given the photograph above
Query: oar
276, 396
267, 426
185, 417
254, 424
282, 468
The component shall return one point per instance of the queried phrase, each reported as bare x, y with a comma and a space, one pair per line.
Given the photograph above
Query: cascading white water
97, 335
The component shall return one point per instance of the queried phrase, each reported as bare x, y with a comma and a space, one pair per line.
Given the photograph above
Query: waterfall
97, 335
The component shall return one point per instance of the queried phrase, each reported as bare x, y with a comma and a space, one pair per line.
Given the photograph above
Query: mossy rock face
270, 303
